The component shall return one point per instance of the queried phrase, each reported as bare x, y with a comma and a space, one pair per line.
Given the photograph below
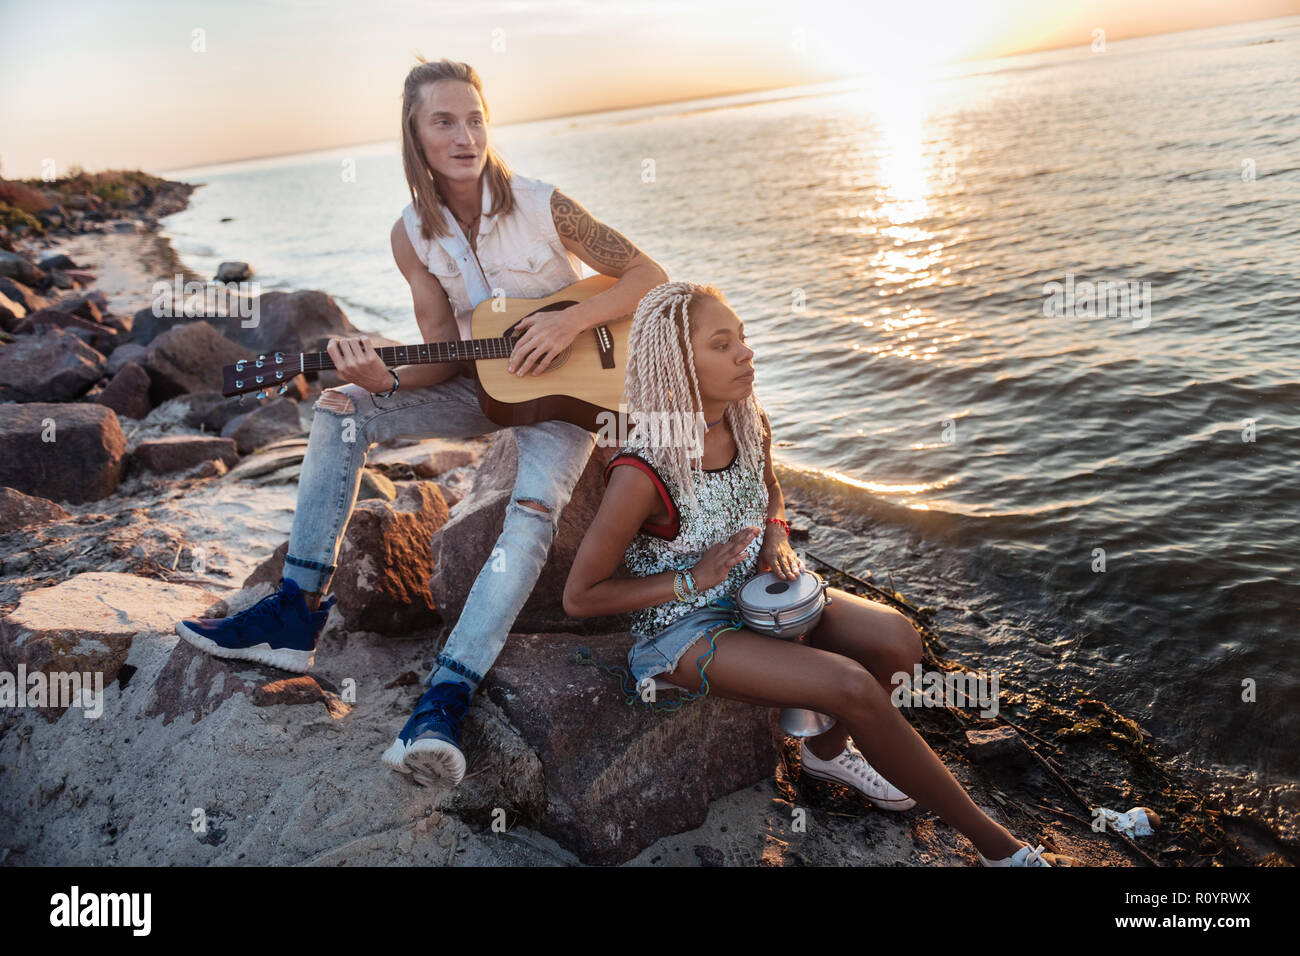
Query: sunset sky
122, 84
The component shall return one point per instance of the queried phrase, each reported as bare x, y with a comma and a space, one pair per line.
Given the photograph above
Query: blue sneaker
429, 745
277, 630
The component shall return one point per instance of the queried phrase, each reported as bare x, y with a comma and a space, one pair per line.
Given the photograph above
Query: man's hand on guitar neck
356, 362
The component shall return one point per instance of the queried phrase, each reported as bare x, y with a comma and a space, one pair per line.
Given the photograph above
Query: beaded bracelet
684, 586
782, 522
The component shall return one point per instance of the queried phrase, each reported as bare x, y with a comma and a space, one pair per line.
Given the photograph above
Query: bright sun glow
896, 41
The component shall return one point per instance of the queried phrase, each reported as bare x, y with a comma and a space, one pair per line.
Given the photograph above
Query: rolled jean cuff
442, 661
308, 575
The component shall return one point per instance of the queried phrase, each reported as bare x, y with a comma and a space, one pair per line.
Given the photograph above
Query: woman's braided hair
661, 379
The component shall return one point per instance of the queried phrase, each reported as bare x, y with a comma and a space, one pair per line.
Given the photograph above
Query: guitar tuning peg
284, 388
262, 394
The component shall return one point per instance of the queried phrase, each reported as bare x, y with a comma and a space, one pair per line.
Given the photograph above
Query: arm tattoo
604, 246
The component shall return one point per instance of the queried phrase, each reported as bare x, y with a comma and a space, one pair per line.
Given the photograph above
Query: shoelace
269, 606
451, 711
1034, 856
857, 765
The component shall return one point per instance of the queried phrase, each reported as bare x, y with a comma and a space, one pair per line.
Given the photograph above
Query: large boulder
284, 321
295, 322
619, 777
263, 425
384, 562
465, 543
188, 359
50, 365
128, 392
87, 623
194, 684
61, 452
101, 337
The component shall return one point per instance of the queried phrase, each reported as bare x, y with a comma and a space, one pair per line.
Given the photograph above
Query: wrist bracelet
396, 382
785, 525
690, 585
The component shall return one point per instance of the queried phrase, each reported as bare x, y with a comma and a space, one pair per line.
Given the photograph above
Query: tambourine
771, 605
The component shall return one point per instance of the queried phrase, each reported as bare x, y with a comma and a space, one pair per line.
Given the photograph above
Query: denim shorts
660, 654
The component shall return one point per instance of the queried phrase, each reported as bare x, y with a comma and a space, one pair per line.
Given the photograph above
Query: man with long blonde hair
472, 229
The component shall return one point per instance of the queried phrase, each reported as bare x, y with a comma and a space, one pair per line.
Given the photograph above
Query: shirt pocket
530, 261
444, 267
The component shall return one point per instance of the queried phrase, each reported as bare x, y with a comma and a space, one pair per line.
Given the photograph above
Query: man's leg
348, 422
552, 456
281, 630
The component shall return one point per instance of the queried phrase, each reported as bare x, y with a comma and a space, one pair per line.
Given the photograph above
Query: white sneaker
1026, 856
851, 769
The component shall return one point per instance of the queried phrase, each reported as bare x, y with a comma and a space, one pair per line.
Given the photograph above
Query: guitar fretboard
424, 354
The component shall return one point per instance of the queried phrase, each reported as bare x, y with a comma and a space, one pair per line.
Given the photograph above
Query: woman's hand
718, 561
546, 335
356, 361
778, 557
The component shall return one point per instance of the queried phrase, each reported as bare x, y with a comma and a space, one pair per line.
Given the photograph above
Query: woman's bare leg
772, 673
877, 636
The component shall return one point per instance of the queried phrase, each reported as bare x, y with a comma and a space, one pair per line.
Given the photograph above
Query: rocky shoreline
133, 495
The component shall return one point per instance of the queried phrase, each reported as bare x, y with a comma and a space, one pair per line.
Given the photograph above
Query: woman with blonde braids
693, 506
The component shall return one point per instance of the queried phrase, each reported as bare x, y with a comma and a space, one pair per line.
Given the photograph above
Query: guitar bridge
604, 345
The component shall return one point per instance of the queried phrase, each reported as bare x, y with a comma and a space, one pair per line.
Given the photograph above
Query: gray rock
87, 623
179, 452
18, 511
57, 260
263, 425
188, 359
102, 338
618, 777
82, 461
128, 392
20, 269
50, 365
269, 460
123, 355
375, 485
233, 272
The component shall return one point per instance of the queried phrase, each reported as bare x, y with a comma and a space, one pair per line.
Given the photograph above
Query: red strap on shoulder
668, 530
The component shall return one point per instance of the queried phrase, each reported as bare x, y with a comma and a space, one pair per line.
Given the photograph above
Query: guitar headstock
260, 374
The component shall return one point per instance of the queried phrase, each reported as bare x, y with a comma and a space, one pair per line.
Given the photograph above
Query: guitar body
585, 379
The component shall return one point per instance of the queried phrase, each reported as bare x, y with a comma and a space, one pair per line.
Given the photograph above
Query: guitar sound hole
559, 359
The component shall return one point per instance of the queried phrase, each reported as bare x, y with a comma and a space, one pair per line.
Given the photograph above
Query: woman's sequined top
730, 499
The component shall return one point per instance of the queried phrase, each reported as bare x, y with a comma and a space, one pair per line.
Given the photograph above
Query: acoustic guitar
583, 381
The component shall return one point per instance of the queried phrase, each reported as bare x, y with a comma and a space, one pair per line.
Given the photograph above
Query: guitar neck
427, 353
